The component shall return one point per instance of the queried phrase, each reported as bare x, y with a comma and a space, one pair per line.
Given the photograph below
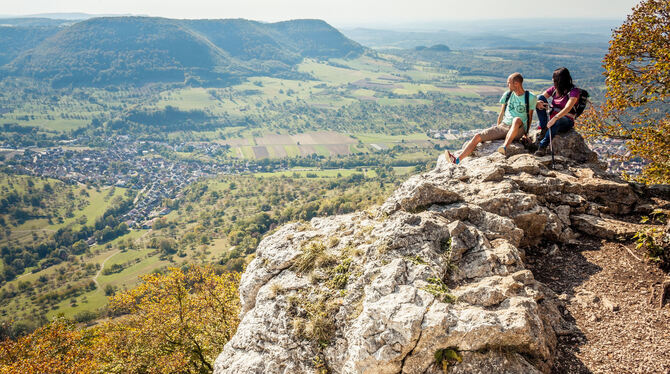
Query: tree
79, 247
171, 323
110, 290
177, 322
637, 71
58, 347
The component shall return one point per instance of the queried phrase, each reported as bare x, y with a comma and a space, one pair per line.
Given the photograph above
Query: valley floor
613, 299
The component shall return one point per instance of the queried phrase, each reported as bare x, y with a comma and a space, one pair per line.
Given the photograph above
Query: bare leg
470, 147
517, 124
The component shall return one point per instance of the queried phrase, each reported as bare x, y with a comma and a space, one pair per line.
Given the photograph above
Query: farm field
334, 85
323, 143
316, 173
54, 205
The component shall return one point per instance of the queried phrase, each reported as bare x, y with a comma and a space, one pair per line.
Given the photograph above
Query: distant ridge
65, 16
119, 50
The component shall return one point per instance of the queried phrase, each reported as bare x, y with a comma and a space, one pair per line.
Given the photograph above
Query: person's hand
541, 105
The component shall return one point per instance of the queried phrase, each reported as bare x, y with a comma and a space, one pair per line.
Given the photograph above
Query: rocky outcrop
431, 281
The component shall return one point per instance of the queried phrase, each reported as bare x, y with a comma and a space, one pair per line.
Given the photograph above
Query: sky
336, 12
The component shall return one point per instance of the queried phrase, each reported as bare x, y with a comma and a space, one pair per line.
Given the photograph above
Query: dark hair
562, 81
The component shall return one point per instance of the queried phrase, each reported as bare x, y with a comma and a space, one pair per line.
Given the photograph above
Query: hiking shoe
541, 152
502, 151
450, 157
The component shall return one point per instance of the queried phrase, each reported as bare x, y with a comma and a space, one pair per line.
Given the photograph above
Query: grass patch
446, 357
292, 150
333, 75
440, 290
368, 138
247, 152
329, 173
313, 256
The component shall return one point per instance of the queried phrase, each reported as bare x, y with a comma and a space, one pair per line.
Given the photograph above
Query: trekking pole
551, 147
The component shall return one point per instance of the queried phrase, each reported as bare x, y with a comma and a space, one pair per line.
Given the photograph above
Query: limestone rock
437, 268
420, 194
604, 227
571, 145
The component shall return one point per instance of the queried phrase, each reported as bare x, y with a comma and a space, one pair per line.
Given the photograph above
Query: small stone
609, 305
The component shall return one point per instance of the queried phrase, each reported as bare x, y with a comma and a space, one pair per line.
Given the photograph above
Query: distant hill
435, 48
33, 22
119, 50
390, 39
489, 34
71, 16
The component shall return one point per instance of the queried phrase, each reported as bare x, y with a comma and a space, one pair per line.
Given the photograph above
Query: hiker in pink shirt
561, 117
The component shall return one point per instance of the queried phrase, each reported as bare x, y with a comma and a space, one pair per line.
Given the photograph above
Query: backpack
526, 98
583, 100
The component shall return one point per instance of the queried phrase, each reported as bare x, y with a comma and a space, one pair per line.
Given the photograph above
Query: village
136, 165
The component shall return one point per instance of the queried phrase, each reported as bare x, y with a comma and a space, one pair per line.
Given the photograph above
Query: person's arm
502, 114
568, 107
541, 104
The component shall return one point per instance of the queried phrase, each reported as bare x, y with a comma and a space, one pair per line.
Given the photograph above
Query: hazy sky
337, 12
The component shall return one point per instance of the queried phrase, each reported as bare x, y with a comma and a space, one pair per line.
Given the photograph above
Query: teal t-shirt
516, 107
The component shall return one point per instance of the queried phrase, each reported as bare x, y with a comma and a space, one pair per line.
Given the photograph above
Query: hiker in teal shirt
513, 120
516, 107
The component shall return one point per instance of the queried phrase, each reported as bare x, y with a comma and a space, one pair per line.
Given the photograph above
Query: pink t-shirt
560, 102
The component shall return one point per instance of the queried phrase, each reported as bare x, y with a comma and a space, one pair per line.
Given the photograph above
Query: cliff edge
434, 280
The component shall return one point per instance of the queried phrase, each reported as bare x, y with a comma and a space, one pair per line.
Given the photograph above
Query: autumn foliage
177, 322
59, 347
637, 71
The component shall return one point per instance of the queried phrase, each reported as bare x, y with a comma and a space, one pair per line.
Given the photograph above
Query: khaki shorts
496, 132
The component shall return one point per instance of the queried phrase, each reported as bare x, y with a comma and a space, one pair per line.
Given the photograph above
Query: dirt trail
102, 266
612, 297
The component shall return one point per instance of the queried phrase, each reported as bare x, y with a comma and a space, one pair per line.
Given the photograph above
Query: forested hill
122, 50
15, 39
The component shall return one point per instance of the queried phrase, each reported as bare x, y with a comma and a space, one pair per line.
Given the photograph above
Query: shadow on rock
563, 269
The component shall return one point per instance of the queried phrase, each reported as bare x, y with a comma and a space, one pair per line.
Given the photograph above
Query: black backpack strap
526, 94
529, 113
509, 93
